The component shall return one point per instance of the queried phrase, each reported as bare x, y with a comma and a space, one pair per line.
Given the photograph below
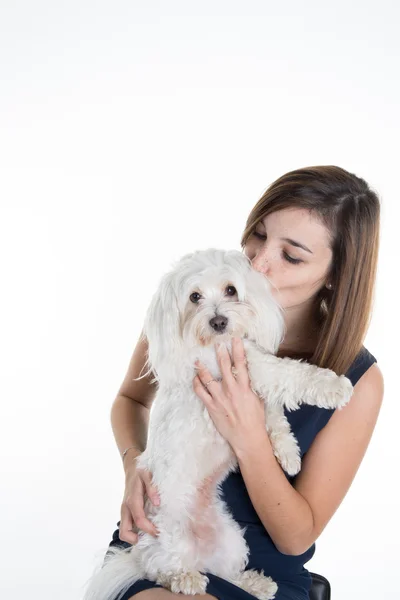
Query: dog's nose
218, 323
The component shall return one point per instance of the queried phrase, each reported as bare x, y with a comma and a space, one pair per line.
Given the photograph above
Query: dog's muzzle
219, 323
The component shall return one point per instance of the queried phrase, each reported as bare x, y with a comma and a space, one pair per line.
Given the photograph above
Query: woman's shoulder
363, 361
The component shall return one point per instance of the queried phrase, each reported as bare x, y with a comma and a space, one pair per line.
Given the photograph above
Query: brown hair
350, 210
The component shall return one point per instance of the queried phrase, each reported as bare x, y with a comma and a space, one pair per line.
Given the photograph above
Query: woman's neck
302, 329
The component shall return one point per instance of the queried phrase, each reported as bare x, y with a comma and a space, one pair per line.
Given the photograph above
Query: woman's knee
154, 594
163, 594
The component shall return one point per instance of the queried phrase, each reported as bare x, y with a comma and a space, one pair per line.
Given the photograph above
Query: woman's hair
350, 210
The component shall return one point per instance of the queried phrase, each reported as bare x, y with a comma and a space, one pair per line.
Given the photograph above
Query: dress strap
361, 364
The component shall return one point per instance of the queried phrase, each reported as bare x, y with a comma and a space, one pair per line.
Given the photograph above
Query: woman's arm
129, 421
131, 407
295, 516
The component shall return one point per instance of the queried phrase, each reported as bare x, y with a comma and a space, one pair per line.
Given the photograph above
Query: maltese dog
209, 296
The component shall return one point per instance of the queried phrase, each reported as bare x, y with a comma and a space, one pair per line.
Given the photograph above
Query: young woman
315, 234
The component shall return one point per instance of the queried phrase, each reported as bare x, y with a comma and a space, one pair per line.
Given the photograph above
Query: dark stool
320, 588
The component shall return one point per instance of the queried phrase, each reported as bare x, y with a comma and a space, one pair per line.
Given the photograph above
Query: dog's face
214, 307
211, 295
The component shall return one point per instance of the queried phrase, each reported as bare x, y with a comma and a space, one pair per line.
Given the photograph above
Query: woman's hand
237, 412
137, 483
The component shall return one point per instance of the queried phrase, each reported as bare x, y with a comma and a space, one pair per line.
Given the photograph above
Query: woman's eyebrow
297, 244
290, 241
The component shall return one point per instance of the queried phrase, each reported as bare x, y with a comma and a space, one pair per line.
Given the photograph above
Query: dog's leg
256, 583
171, 562
284, 444
201, 536
232, 544
288, 382
229, 543
183, 582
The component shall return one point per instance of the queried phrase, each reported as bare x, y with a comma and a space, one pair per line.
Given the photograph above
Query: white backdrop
134, 132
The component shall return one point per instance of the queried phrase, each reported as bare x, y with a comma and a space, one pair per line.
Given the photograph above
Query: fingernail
156, 500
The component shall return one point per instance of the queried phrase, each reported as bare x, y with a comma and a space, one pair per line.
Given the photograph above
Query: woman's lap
139, 586
221, 589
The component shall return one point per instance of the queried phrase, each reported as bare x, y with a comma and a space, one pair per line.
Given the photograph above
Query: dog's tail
121, 569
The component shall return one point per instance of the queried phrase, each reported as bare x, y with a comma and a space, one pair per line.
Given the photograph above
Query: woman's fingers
202, 393
136, 504
126, 525
151, 490
239, 361
132, 510
225, 364
210, 383
144, 524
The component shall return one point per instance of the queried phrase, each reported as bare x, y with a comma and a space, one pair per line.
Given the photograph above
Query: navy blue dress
293, 579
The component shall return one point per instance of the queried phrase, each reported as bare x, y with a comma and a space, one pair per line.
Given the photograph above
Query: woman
315, 234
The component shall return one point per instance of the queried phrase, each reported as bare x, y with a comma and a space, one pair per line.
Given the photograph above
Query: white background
134, 132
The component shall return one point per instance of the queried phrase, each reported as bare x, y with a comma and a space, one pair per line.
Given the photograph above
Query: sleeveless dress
293, 579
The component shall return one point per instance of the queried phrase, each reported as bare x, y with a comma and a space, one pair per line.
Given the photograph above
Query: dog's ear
268, 326
162, 325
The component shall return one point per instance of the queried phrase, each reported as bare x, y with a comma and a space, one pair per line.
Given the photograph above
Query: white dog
209, 296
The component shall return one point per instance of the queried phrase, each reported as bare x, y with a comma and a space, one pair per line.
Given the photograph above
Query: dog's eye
195, 297
230, 290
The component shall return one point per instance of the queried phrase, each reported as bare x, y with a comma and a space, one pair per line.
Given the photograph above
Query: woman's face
296, 273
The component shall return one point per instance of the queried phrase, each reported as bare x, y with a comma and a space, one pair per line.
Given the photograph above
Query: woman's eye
195, 297
230, 290
294, 261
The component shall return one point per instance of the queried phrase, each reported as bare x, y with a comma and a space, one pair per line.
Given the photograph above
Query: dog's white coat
185, 453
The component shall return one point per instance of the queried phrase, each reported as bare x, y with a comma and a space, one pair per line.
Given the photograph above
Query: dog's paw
336, 392
347, 391
287, 451
184, 582
257, 584
290, 462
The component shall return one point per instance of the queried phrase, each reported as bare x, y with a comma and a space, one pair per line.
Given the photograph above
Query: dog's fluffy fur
185, 453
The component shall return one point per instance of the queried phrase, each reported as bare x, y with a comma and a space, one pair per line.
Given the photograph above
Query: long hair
350, 210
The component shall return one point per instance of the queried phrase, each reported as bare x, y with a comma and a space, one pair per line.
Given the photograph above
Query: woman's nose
261, 262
